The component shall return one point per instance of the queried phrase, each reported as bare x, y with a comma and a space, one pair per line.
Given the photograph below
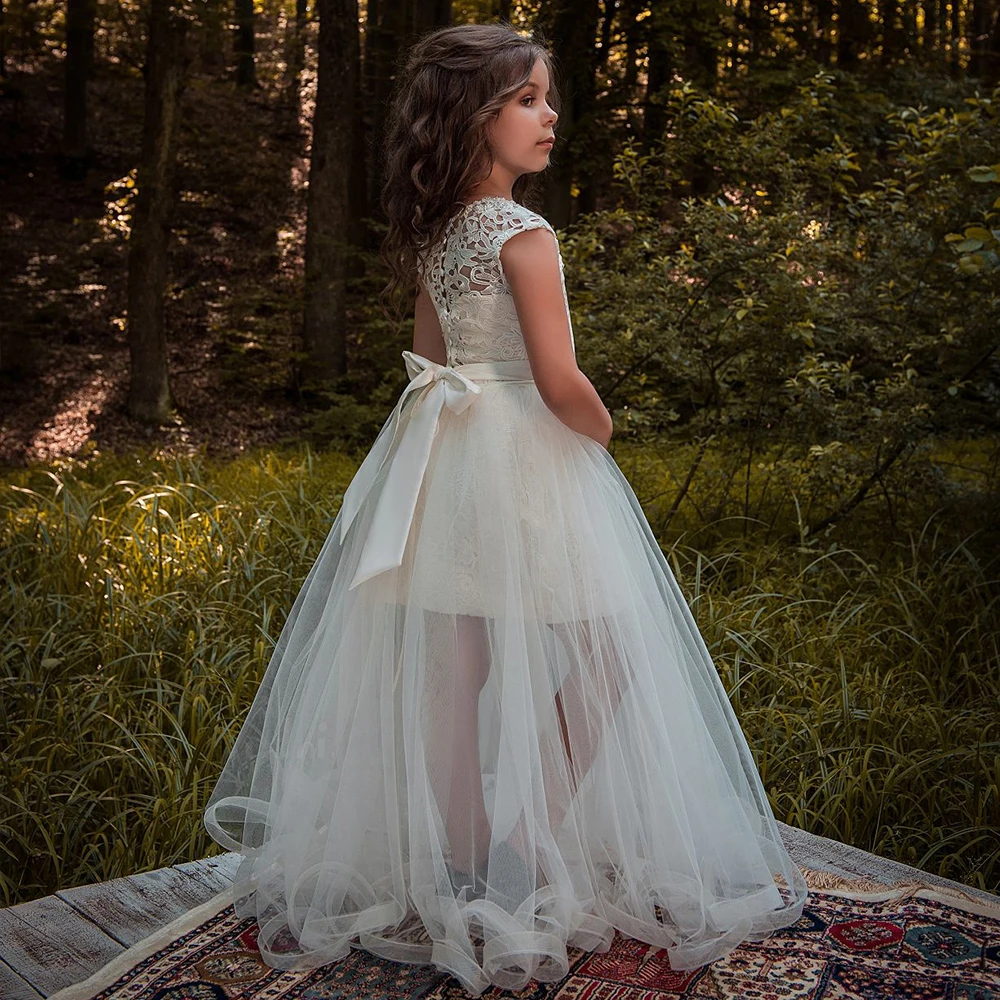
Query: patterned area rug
856, 940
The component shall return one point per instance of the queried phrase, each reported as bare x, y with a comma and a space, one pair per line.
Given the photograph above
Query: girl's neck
480, 195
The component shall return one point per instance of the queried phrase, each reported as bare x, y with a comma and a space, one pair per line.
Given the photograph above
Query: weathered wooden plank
15, 987
104, 918
50, 945
216, 873
133, 906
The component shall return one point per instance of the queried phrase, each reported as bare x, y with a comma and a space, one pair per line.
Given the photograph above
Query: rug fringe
873, 890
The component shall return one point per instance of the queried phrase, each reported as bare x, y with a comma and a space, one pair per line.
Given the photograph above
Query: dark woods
780, 221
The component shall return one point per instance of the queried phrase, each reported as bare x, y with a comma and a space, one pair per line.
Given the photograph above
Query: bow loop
458, 396
459, 389
390, 526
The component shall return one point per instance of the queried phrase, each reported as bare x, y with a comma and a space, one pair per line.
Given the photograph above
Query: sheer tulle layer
511, 745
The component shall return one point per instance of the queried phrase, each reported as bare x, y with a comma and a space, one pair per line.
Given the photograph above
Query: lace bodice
465, 280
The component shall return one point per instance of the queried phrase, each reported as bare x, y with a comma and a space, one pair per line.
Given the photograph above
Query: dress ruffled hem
500, 947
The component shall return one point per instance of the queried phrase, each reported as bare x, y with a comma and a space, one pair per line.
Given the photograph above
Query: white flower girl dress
490, 729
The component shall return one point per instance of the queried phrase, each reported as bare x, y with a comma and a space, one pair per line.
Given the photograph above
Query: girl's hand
605, 440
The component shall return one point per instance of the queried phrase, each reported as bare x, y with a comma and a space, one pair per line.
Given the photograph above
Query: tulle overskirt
507, 746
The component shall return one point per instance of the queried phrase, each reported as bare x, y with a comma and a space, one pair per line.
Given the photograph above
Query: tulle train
511, 744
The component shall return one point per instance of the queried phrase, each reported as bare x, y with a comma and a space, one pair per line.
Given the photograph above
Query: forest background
780, 228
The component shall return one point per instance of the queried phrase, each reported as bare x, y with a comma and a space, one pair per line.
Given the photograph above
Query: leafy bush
828, 315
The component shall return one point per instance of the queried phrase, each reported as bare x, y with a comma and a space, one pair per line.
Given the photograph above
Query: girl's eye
528, 98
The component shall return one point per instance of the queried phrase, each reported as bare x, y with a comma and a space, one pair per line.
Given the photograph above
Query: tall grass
870, 694
141, 599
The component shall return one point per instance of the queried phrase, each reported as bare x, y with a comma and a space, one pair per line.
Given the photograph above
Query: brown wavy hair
452, 84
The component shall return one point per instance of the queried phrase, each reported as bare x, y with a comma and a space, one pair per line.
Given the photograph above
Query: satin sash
435, 386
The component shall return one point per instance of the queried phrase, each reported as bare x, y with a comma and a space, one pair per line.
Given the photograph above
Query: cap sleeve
508, 219
469, 259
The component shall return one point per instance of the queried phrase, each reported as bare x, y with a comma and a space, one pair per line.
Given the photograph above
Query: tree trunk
823, 44
571, 27
888, 12
630, 10
701, 58
757, 15
149, 397
389, 29
584, 75
30, 40
378, 75
324, 331
978, 37
910, 34
660, 70
79, 56
246, 74
991, 71
295, 53
927, 38
212, 47
954, 52
358, 229
854, 33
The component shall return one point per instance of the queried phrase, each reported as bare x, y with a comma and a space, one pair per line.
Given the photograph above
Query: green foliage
141, 600
868, 691
830, 310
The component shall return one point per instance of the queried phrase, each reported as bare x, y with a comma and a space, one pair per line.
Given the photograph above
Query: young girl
490, 731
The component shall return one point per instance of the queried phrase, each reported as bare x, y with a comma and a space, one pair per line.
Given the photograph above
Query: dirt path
233, 301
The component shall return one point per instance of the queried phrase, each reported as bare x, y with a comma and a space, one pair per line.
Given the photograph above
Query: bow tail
390, 524
358, 489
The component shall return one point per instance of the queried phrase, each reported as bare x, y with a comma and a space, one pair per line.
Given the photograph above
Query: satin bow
397, 501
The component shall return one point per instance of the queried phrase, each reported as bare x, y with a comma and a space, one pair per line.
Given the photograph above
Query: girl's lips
547, 142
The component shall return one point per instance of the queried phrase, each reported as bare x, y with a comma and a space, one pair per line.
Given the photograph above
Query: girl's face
525, 120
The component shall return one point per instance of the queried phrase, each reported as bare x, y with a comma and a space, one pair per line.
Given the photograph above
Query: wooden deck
59, 940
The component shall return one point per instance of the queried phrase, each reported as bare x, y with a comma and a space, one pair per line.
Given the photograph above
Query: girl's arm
530, 262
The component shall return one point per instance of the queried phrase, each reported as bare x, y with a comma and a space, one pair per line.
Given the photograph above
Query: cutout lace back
464, 277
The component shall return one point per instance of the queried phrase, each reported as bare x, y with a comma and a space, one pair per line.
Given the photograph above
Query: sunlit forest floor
233, 274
